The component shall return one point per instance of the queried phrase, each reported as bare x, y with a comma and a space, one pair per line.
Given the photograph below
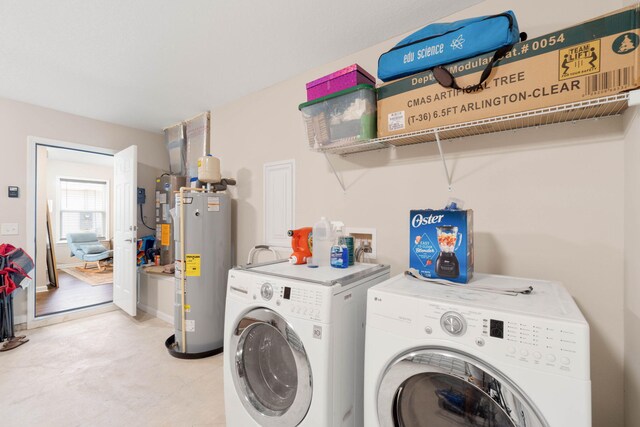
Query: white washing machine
453, 356
294, 344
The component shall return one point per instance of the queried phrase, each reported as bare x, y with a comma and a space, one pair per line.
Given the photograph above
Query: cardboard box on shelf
441, 244
590, 60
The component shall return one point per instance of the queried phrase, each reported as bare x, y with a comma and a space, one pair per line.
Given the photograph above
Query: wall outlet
9, 229
364, 236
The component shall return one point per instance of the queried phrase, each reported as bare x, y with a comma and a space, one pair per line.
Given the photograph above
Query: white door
125, 171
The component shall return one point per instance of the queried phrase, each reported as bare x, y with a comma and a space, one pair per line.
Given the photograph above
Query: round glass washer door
438, 387
271, 374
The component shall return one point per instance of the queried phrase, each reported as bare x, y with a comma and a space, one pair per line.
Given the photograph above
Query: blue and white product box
441, 244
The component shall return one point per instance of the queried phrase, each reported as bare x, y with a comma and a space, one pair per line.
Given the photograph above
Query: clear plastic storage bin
341, 118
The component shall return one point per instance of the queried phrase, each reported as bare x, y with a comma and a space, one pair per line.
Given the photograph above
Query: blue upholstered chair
87, 247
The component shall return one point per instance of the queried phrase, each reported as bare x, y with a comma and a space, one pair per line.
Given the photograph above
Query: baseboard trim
155, 312
55, 318
19, 320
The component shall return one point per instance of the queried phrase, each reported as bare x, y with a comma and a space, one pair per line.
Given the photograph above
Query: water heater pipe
183, 266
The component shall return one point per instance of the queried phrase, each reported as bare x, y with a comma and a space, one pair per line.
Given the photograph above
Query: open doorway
74, 229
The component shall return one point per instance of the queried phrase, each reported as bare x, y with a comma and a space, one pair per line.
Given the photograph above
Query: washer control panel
266, 291
291, 298
303, 302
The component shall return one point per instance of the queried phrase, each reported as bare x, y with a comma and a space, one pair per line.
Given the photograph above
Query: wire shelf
344, 147
573, 112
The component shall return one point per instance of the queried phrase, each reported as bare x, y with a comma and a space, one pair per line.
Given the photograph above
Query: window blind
83, 207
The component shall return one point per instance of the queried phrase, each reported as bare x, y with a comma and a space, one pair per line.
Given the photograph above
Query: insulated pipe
183, 266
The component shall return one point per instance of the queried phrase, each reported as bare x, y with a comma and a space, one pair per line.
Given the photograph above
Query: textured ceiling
151, 63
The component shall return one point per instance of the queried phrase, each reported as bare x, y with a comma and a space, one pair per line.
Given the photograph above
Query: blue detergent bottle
339, 251
339, 256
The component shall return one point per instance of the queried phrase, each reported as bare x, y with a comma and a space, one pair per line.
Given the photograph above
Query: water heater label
190, 326
213, 204
193, 265
165, 239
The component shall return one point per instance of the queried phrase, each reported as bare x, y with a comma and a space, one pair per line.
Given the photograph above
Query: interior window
83, 207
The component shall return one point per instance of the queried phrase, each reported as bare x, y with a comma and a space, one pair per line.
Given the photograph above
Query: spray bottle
339, 250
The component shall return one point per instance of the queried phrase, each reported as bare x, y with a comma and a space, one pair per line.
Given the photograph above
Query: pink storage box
351, 76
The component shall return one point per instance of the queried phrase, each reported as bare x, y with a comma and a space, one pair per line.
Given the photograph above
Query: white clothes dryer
440, 355
294, 344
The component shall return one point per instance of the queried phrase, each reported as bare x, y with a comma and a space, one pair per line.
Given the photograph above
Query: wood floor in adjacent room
107, 370
72, 293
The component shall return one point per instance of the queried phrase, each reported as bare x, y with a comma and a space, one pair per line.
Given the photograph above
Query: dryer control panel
553, 346
541, 343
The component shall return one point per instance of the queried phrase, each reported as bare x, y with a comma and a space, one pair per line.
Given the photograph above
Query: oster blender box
441, 244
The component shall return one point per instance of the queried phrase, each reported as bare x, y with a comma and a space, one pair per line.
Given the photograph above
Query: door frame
32, 145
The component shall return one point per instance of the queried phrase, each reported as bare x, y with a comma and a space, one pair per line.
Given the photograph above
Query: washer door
441, 387
272, 374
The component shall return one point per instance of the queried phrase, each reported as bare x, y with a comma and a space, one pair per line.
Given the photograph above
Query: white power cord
525, 290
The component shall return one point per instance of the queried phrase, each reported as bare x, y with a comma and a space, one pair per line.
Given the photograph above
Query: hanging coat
14, 267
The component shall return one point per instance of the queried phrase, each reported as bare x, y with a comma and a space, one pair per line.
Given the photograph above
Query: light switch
9, 229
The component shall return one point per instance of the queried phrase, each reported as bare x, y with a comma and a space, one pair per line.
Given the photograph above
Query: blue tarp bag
444, 43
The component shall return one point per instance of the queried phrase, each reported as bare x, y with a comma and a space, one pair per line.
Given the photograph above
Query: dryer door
272, 375
433, 387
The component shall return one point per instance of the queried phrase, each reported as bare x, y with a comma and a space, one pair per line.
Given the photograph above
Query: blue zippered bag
443, 43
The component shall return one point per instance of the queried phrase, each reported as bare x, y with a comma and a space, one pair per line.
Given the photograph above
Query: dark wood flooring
73, 293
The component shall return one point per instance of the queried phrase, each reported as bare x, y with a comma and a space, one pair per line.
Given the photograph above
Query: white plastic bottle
322, 242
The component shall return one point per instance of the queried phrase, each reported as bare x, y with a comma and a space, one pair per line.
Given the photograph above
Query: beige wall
157, 295
548, 202
18, 121
632, 272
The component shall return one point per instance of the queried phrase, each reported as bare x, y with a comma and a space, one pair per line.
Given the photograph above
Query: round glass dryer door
444, 388
272, 374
